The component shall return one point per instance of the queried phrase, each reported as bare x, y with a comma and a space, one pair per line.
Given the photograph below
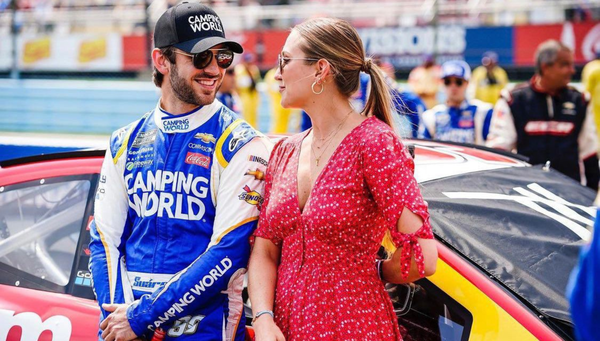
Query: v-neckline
323, 171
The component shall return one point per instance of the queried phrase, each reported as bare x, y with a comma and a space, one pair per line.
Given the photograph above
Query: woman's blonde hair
336, 41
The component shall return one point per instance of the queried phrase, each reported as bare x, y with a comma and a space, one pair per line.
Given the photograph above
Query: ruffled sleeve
266, 229
389, 174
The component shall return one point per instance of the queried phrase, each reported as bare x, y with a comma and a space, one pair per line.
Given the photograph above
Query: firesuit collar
183, 123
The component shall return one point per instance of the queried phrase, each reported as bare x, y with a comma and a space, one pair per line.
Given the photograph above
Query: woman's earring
312, 87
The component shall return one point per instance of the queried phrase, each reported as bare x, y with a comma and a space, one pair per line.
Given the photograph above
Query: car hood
523, 226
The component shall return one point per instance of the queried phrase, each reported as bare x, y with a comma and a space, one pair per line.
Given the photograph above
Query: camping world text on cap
205, 22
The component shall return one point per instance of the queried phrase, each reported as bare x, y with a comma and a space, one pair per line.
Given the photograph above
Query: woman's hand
265, 329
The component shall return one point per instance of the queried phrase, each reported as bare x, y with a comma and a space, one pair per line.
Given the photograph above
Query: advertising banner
73, 52
582, 38
406, 46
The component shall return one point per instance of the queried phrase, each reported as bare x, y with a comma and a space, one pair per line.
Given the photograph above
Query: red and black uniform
547, 126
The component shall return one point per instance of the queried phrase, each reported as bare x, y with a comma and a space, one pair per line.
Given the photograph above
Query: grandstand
112, 35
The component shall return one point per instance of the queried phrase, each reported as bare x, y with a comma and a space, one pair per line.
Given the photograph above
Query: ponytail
379, 102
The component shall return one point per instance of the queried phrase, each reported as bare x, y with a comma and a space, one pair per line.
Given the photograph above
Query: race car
508, 237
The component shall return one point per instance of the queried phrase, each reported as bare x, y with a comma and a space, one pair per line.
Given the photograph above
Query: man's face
455, 88
558, 74
195, 86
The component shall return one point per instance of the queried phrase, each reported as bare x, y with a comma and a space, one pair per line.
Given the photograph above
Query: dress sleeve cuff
410, 245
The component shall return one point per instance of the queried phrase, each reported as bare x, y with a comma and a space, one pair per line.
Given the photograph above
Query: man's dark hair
169, 53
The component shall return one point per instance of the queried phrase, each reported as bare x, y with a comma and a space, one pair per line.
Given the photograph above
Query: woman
331, 194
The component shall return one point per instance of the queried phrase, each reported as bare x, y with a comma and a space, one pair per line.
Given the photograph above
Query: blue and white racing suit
469, 123
177, 201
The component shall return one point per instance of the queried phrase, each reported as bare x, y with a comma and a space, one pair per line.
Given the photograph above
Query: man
488, 79
546, 120
424, 80
178, 196
458, 120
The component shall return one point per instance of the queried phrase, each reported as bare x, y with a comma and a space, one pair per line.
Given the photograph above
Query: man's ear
544, 67
161, 62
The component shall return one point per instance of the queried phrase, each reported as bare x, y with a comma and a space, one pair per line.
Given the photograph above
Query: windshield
40, 223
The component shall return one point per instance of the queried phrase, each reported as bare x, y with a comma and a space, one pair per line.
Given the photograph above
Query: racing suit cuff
138, 320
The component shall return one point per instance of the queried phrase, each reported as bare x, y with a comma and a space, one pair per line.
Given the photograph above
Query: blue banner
496, 39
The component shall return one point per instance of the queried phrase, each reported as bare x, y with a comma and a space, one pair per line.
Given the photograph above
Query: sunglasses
284, 60
203, 59
457, 81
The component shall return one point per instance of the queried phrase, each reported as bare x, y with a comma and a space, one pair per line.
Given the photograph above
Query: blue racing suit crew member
459, 119
178, 197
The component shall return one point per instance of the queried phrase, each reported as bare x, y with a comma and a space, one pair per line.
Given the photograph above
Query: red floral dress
327, 282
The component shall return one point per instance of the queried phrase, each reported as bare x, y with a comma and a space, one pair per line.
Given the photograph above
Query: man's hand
116, 326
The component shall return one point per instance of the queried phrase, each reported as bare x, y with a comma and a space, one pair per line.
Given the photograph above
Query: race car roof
522, 225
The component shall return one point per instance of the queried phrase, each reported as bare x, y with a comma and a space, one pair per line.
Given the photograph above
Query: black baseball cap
191, 27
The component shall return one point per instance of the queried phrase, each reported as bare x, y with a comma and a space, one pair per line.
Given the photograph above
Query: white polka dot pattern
327, 284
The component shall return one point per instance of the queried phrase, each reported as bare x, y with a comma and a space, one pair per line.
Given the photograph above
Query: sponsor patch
144, 138
257, 174
146, 284
84, 278
203, 148
197, 290
257, 159
250, 196
205, 22
187, 325
143, 150
100, 192
569, 109
238, 137
135, 164
197, 159
176, 124
206, 138
555, 128
182, 201
466, 124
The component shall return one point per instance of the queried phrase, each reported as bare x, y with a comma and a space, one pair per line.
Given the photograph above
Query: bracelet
380, 268
264, 312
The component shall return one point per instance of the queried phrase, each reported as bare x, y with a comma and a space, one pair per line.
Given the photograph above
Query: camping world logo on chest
207, 22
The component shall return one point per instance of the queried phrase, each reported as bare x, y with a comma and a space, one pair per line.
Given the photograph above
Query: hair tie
366, 68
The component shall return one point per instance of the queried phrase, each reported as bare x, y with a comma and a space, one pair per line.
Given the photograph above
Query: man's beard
184, 91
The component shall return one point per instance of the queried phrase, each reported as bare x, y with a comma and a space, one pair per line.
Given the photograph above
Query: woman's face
295, 76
